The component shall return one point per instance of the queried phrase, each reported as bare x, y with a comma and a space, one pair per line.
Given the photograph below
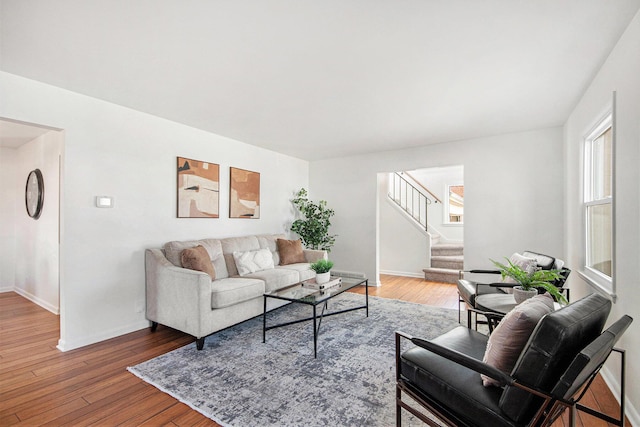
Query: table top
312, 296
497, 303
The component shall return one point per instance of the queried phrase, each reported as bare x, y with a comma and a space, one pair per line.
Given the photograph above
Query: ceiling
324, 78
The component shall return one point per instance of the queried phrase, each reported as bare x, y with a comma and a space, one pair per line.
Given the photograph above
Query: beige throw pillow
290, 251
198, 259
508, 340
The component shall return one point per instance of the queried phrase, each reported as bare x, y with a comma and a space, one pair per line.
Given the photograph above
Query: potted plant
313, 228
530, 281
322, 268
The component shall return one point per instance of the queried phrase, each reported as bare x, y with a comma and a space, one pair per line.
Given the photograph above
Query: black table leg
264, 321
315, 335
366, 291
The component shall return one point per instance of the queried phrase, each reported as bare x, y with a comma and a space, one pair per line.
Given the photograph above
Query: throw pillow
290, 251
252, 261
198, 259
511, 335
527, 264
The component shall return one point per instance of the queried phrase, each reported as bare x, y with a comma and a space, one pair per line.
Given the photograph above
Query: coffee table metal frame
313, 297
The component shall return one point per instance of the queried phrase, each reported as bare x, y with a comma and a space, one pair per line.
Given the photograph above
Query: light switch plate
104, 202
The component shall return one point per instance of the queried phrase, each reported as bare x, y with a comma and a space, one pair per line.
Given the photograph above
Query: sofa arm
176, 297
313, 255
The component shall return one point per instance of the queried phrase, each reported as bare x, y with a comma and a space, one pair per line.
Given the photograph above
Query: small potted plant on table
529, 281
323, 270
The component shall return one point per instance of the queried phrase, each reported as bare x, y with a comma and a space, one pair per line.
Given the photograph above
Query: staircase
446, 261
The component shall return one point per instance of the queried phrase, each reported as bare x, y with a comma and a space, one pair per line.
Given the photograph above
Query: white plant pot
521, 295
323, 277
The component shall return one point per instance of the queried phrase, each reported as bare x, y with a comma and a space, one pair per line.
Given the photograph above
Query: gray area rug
236, 380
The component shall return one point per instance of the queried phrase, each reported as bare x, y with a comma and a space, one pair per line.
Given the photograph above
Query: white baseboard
6, 289
66, 345
36, 300
402, 274
614, 385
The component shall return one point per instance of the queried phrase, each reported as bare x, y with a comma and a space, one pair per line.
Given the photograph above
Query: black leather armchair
468, 290
564, 353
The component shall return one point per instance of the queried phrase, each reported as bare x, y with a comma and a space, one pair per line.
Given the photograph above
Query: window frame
598, 280
446, 217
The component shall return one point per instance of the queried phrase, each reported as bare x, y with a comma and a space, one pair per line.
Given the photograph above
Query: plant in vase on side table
530, 280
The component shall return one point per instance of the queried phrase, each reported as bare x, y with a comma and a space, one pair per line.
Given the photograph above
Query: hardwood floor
40, 385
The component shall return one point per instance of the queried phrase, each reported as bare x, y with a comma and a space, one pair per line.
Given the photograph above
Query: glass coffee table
314, 297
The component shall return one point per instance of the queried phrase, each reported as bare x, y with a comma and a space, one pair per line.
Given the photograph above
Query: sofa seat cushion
234, 290
303, 268
276, 278
452, 385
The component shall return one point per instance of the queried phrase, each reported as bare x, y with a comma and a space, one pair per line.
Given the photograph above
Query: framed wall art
244, 194
198, 189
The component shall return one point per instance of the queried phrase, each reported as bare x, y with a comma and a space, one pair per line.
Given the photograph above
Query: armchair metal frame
566, 393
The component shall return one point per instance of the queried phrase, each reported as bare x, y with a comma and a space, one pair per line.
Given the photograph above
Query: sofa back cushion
237, 244
173, 251
270, 241
554, 343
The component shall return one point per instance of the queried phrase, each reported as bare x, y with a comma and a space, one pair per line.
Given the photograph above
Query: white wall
513, 189
620, 73
36, 249
403, 243
8, 197
131, 156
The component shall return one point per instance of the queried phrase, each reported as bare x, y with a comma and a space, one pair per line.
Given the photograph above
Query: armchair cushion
508, 340
468, 290
450, 384
545, 262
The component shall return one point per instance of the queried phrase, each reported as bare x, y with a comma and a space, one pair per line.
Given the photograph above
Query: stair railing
410, 199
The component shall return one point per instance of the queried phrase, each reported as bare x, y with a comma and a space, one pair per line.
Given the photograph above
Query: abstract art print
244, 197
198, 189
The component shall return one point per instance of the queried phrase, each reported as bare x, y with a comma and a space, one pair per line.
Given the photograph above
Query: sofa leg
154, 326
200, 343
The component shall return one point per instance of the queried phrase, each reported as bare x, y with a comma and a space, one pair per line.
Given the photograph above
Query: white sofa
189, 301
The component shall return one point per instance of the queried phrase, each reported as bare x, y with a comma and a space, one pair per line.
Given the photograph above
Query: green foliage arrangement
322, 266
313, 228
532, 280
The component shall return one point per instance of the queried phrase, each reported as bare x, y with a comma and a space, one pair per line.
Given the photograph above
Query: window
598, 203
455, 204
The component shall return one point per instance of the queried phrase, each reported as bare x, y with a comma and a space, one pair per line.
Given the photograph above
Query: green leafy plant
313, 227
322, 266
533, 279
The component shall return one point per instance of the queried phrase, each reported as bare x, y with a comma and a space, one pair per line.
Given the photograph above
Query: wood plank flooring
40, 385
